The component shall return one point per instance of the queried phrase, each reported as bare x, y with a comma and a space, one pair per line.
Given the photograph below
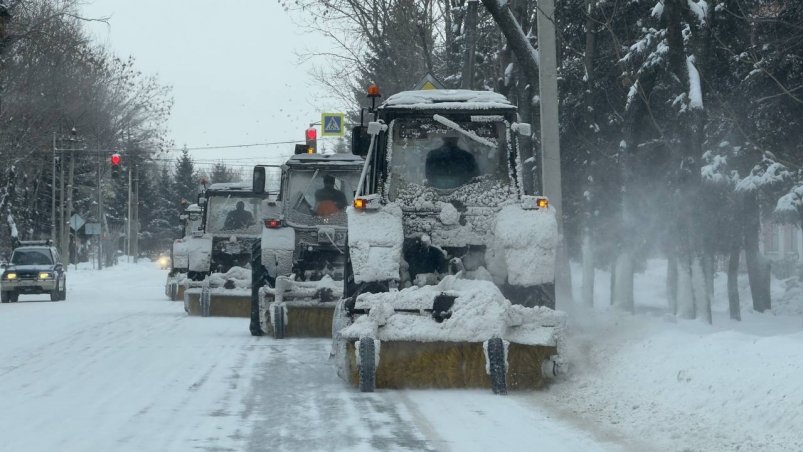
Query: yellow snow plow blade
409, 364
217, 303
307, 320
298, 308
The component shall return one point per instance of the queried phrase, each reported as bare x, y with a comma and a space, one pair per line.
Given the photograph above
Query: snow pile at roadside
479, 313
684, 385
788, 300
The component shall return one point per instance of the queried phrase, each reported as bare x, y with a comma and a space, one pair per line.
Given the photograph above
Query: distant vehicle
164, 262
35, 268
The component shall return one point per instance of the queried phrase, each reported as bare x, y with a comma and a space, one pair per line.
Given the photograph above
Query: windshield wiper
309, 184
454, 126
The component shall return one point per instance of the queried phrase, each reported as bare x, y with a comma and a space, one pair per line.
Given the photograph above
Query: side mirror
522, 128
258, 184
3, 264
58, 267
360, 141
201, 200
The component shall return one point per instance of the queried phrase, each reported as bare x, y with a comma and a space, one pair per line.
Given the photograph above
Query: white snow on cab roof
346, 159
230, 186
449, 99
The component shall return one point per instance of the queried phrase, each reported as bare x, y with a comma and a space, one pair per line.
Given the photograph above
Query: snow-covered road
116, 367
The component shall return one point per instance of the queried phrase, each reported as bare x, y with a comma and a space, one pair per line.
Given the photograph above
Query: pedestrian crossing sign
332, 125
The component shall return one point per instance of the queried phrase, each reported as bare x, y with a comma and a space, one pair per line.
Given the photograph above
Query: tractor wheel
63, 293
497, 367
278, 321
55, 295
367, 366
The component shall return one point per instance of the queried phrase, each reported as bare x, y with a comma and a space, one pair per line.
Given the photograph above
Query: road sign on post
76, 222
332, 125
92, 229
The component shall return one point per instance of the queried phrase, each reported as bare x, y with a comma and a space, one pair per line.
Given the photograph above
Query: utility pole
100, 207
65, 211
550, 134
135, 210
61, 202
470, 32
68, 215
53, 234
128, 228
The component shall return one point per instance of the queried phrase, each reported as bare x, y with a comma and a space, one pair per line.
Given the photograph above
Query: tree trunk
672, 282
685, 303
702, 302
526, 55
588, 269
758, 268
622, 291
733, 284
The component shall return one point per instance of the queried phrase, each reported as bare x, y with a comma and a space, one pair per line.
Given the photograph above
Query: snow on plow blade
299, 308
217, 302
458, 334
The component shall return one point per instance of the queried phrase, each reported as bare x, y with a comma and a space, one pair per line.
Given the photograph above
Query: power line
233, 146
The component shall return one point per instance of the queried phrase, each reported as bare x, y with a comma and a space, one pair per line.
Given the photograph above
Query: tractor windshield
448, 161
233, 214
320, 195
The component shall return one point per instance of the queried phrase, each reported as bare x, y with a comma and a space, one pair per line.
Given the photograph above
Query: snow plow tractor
219, 278
180, 252
451, 264
302, 255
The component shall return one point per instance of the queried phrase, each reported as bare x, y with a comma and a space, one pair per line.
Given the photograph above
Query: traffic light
312, 140
115, 161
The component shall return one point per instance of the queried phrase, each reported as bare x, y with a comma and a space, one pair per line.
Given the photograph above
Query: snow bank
686, 385
479, 313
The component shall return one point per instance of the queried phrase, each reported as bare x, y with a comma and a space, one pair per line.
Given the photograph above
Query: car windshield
432, 161
320, 196
233, 214
32, 257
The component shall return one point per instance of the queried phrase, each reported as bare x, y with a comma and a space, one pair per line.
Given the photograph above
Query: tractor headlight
45, 275
11, 276
163, 261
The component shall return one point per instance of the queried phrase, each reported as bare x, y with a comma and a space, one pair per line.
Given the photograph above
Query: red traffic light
116, 159
312, 134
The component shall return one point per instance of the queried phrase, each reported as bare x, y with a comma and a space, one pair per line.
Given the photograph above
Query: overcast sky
233, 67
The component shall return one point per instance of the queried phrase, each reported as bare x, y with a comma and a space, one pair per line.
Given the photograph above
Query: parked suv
34, 268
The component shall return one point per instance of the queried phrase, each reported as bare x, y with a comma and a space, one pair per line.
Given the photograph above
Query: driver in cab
329, 200
238, 218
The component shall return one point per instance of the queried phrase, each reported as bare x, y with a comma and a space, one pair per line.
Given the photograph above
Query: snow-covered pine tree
185, 181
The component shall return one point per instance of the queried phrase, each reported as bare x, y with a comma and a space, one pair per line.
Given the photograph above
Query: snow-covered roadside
685, 385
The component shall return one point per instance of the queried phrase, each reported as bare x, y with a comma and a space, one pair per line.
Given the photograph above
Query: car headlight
11, 276
45, 275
